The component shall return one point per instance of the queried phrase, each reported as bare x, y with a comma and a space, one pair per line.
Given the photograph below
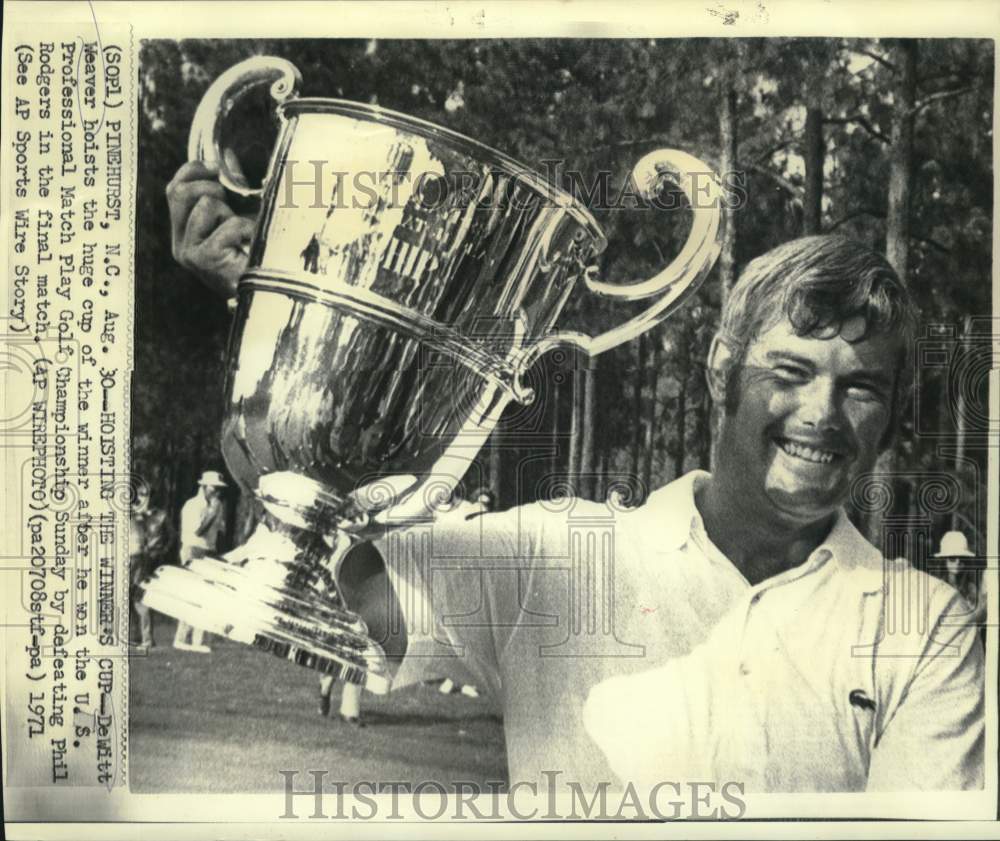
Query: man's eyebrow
879, 377
786, 356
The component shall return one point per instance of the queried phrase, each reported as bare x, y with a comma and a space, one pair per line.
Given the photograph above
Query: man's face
211, 492
810, 415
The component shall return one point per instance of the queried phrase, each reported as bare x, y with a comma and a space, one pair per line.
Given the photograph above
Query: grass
229, 721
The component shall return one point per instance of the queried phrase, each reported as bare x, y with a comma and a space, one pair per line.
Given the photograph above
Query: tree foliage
596, 106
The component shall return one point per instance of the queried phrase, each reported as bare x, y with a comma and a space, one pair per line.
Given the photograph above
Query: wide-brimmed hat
213, 479
954, 544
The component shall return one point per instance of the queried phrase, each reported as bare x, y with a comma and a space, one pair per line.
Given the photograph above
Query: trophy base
276, 593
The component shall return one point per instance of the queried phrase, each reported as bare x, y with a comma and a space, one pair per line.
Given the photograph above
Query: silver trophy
402, 279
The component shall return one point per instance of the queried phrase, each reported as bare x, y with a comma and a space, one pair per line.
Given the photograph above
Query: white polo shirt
625, 646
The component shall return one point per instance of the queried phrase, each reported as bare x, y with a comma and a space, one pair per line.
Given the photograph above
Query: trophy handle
204, 142
677, 281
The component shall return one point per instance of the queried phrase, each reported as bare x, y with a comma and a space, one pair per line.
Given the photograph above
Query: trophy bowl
401, 281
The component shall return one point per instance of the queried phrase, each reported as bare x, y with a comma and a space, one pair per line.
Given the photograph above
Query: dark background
889, 142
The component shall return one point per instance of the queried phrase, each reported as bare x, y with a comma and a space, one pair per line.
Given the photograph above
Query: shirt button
744, 669
755, 598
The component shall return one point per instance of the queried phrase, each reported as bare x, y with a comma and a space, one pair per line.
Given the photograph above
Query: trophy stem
278, 592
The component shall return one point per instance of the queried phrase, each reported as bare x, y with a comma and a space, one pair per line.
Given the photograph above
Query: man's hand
207, 236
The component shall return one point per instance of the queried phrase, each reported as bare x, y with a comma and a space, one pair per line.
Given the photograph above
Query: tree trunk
587, 478
897, 235
197, 465
813, 155
729, 142
496, 467
575, 428
172, 492
602, 435
650, 437
638, 378
681, 423
684, 370
706, 437
555, 465
960, 465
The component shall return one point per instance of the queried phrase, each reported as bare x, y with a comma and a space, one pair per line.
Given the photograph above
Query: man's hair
819, 283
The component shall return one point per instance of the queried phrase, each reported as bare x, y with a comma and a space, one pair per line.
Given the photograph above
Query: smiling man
735, 628
809, 365
819, 667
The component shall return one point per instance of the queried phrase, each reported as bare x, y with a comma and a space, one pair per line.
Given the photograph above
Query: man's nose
820, 407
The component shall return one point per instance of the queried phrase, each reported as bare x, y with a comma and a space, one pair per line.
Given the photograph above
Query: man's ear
720, 361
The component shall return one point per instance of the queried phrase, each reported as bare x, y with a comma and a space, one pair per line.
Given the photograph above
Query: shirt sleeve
456, 583
934, 738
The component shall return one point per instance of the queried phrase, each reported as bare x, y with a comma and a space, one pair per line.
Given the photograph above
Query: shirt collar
675, 517
861, 561
673, 511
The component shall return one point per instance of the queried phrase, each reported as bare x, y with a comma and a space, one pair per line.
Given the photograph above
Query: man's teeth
807, 453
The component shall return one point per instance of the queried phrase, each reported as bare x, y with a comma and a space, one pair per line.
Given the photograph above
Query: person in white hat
203, 520
954, 547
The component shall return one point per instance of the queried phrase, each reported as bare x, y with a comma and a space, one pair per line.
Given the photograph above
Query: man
738, 630
152, 540
954, 549
203, 521
799, 680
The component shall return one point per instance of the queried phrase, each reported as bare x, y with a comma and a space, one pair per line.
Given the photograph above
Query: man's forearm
373, 598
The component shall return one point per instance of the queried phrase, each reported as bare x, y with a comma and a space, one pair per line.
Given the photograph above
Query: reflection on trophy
401, 282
